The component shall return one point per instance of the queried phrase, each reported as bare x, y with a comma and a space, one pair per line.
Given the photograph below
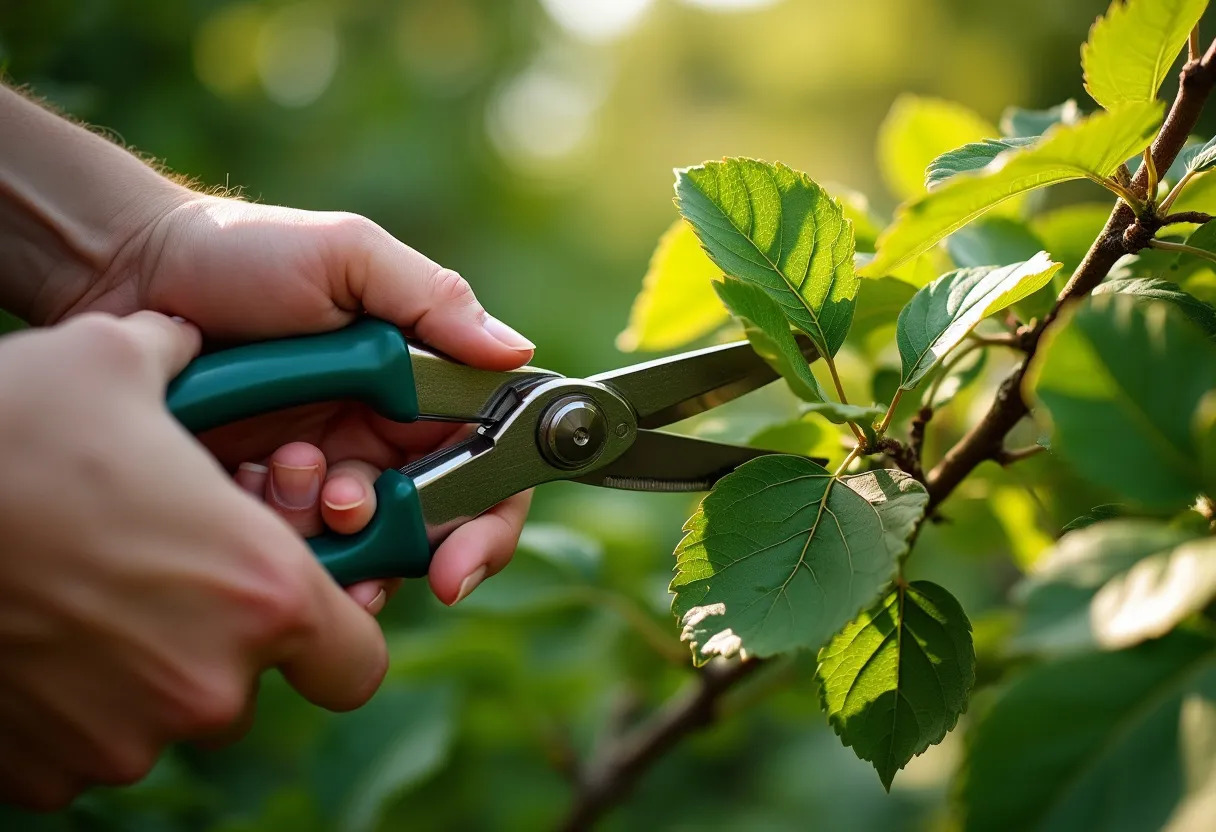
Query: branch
612, 774
986, 439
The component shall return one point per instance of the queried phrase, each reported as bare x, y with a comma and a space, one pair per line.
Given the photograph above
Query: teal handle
368, 361
393, 545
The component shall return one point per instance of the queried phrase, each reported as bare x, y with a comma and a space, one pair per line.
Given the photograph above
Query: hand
141, 594
247, 272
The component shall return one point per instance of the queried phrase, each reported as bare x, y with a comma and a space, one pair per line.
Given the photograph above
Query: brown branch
614, 771
1123, 234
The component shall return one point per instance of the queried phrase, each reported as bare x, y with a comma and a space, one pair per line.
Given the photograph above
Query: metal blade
669, 462
670, 389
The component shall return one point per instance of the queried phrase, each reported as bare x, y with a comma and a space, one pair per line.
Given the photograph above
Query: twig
986, 439
611, 775
1012, 455
1197, 217
1183, 248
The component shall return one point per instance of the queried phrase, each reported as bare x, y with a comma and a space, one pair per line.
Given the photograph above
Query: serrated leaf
1099, 732
676, 304
970, 157
1057, 597
781, 555
1132, 48
915, 132
1139, 370
1091, 149
939, 317
772, 226
769, 332
1017, 122
1152, 288
894, 681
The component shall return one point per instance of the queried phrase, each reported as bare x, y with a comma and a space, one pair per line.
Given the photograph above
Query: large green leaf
1091, 149
770, 225
1133, 47
916, 131
1122, 379
1058, 597
676, 304
781, 555
1153, 288
1093, 742
769, 332
894, 681
942, 313
970, 157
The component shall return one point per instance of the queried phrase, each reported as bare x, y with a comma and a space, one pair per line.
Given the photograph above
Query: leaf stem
847, 460
886, 420
1123, 193
1174, 191
1192, 45
1008, 457
843, 398
1150, 191
1183, 248
949, 364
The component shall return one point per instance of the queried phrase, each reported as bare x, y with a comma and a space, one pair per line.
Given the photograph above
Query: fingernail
253, 468
505, 335
177, 318
295, 487
470, 583
330, 504
376, 604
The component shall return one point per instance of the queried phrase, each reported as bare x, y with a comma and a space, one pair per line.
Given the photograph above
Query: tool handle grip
368, 361
393, 545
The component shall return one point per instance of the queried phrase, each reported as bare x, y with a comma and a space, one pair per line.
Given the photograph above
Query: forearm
71, 205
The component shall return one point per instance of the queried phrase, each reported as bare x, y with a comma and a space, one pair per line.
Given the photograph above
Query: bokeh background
529, 144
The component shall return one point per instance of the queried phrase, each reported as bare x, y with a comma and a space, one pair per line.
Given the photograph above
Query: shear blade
669, 462
670, 389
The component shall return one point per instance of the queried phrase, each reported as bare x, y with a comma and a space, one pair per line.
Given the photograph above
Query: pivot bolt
572, 432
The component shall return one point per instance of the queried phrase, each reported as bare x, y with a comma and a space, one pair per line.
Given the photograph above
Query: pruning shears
534, 426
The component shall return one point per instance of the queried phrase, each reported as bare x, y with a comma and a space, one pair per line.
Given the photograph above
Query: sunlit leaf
769, 332
970, 157
1138, 369
770, 225
1058, 595
1152, 288
916, 131
1091, 742
677, 303
1132, 48
939, 317
1017, 122
781, 555
1091, 149
894, 681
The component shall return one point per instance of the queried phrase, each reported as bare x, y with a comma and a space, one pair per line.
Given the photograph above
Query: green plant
1105, 315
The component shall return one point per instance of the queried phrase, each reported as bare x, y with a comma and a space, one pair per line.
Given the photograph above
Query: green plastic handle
368, 361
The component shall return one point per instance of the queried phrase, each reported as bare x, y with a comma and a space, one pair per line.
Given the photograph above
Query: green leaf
1091, 742
918, 130
1091, 149
942, 313
769, 332
1132, 48
677, 304
1138, 370
1019, 123
1152, 288
894, 681
1058, 597
781, 555
970, 157
1198, 158
770, 225
992, 241
1106, 511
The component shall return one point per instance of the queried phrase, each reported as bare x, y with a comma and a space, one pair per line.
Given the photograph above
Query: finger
237, 730
171, 342
393, 281
335, 654
478, 549
293, 488
251, 477
348, 501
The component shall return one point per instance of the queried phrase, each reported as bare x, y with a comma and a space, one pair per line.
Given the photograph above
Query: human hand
141, 594
248, 272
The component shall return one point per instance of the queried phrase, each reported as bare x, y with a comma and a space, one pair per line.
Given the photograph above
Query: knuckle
109, 341
449, 288
204, 707
358, 228
278, 598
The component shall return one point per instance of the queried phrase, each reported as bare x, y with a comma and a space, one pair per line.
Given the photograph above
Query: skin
149, 577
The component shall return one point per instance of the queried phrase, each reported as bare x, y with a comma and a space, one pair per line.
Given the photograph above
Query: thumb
169, 343
394, 282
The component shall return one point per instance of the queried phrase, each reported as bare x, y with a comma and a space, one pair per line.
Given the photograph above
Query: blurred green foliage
530, 150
